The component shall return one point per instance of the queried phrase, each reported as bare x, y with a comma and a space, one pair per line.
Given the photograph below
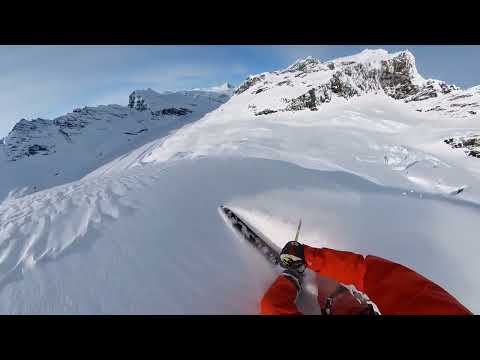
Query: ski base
251, 236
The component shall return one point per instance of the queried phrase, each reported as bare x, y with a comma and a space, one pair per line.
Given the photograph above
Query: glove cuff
295, 277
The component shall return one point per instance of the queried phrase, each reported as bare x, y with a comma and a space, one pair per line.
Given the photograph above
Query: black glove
292, 257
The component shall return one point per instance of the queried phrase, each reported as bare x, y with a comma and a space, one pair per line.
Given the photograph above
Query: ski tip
223, 209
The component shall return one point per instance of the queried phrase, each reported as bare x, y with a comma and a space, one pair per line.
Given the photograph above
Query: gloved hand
292, 257
294, 276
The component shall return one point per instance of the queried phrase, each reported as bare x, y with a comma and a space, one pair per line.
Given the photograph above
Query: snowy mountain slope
150, 240
142, 233
460, 103
374, 136
73, 145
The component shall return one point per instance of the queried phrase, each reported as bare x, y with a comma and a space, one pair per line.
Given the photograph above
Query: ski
246, 232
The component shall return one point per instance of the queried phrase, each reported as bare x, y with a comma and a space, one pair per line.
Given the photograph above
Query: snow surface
142, 233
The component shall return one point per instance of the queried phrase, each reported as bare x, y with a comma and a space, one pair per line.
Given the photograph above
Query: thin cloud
290, 53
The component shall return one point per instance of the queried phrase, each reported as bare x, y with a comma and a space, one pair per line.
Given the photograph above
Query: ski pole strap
327, 310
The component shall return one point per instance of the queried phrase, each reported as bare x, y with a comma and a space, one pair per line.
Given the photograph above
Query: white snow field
142, 234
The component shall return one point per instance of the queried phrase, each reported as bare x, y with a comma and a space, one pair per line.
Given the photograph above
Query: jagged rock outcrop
173, 111
247, 84
469, 144
29, 138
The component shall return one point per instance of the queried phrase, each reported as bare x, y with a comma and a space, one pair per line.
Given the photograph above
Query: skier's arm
342, 266
280, 298
395, 288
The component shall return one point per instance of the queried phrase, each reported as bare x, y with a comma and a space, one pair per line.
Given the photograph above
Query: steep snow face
41, 153
309, 83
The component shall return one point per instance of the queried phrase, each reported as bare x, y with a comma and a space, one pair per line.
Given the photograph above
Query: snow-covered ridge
225, 88
308, 83
69, 146
40, 136
160, 104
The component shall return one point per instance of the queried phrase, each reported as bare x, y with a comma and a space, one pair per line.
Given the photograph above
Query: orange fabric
397, 290
342, 266
394, 288
280, 298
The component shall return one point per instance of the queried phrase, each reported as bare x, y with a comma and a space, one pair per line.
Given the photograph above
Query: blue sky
47, 81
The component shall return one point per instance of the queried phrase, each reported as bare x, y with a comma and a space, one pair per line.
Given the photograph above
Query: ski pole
298, 230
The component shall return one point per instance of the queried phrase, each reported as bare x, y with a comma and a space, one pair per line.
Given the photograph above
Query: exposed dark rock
462, 105
265, 112
285, 82
34, 149
429, 90
248, 83
136, 102
305, 101
460, 97
436, 108
173, 111
470, 144
70, 122
341, 87
136, 132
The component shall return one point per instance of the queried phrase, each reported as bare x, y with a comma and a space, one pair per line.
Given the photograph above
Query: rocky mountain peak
308, 83
306, 65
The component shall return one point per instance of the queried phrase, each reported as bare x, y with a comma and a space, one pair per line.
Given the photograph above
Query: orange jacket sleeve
395, 288
280, 298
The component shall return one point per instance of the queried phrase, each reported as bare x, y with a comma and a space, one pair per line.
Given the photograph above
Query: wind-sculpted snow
43, 226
